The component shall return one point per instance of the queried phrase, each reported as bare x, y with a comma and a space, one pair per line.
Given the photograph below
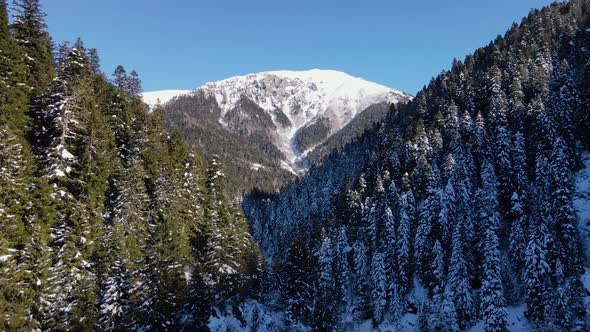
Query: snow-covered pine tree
564, 103
517, 239
327, 284
492, 293
126, 231
564, 217
64, 136
16, 197
296, 289
403, 245
30, 31
16, 295
438, 272
220, 266
378, 287
390, 255
170, 248
537, 273
459, 289
361, 304
428, 214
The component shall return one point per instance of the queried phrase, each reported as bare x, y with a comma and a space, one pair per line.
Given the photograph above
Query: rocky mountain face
265, 125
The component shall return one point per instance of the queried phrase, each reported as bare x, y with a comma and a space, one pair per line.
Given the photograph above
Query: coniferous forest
107, 222
457, 212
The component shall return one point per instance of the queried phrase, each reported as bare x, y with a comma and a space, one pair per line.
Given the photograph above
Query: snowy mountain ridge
161, 97
317, 100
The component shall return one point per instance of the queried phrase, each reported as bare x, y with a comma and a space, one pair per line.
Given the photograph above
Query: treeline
106, 221
465, 201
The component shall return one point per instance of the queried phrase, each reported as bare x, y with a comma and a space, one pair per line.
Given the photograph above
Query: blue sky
181, 44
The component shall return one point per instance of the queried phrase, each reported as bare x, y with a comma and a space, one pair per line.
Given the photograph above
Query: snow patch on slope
152, 98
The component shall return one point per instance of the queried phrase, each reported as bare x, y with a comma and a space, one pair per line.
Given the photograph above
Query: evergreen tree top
3, 19
29, 16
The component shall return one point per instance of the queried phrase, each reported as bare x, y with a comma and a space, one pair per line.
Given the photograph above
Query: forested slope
107, 222
464, 195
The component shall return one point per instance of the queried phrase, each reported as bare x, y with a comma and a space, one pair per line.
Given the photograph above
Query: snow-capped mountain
294, 111
161, 97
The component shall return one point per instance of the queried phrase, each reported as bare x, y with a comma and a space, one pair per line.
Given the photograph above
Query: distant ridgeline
456, 207
269, 127
106, 221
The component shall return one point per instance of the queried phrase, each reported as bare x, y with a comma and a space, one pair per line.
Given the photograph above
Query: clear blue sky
180, 44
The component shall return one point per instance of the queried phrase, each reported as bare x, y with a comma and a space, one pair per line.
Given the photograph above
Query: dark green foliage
106, 222
30, 31
128, 83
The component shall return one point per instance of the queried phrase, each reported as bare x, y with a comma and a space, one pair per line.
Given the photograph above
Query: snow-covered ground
517, 322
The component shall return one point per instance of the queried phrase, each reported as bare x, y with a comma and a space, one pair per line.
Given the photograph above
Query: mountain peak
303, 108
328, 77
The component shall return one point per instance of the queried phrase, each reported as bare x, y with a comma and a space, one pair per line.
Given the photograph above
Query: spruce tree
30, 31
492, 292
564, 216
404, 240
537, 273
327, 284
64, 120
459, 288
378, 287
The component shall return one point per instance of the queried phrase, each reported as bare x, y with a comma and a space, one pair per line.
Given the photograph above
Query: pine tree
379, 287
423, 240
390, 254
30, 31
567, 305
487, 202
13, 79
537, 273
125, 247
492, 292
459, 288
564, 216
563, 103
16, 197
404, 242
170, 250
220, 265
128, 83
16, 237
446, 215
120, 78
296, 290
517, 246
326, 285
361, 287
438, 272
134, 83
65, 120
